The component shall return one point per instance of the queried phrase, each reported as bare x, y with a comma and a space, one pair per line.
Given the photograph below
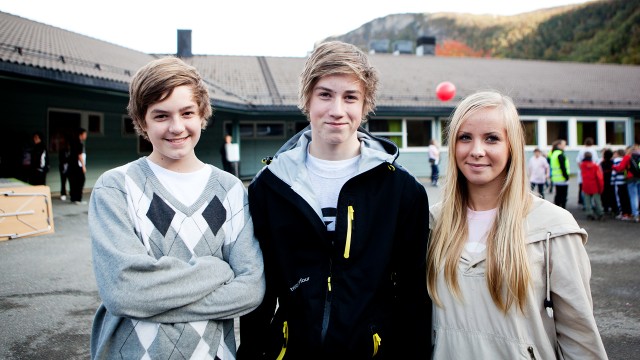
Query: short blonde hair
336, 57
155, 82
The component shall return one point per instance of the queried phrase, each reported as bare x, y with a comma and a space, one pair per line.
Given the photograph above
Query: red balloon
445, 91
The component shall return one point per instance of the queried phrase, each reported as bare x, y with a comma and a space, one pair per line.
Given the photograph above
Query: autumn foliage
457, 48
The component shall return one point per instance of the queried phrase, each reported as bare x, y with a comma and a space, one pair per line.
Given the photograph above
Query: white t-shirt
186, 187
479, 223
434, 153
327, 178
538, 169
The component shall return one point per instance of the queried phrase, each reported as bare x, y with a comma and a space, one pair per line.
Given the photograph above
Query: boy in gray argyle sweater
174, 253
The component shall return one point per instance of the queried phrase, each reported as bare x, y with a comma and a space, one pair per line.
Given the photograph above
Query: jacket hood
288, 163
544, 217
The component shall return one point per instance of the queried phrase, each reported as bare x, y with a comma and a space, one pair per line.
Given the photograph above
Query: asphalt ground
48, 293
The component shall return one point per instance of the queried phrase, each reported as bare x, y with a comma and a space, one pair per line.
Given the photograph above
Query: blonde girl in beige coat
508, 272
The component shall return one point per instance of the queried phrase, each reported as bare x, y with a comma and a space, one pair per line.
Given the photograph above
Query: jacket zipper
285, 333
347, 245
376, 343
327, 305
531, 353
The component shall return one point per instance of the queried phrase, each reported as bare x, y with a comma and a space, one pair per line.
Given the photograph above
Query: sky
239, 27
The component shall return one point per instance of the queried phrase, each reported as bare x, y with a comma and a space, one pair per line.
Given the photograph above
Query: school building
54, 81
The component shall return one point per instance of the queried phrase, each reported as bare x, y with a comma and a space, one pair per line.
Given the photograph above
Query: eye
493, 139
464, 137
324, 94
352, 98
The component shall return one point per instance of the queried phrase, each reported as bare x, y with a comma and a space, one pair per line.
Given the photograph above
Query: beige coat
477, 329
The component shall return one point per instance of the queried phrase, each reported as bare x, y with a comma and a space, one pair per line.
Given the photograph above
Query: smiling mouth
177, 140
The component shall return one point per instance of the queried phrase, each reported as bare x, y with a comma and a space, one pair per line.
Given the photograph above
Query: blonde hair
155, 82
336, 57
507, 270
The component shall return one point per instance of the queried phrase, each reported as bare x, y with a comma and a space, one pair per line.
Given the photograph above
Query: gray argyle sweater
171, 277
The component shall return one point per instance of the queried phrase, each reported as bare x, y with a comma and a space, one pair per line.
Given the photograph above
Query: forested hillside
604, 31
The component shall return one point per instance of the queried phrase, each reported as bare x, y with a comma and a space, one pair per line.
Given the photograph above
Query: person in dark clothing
609, 203
63, 166
560, 172
343, 229
39, 166
77, 166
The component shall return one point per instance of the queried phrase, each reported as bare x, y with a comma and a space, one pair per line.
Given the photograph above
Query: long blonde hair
507, 270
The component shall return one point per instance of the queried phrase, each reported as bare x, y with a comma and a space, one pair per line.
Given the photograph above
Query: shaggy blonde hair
338, 58
507, 270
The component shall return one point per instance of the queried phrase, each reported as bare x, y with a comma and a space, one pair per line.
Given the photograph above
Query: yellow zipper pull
285, 333
347, 245
329, 282
376, 342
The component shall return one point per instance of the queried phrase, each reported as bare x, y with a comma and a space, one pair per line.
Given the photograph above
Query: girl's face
482, 150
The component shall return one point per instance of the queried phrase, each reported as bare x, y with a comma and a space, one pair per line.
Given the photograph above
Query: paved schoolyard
48, 294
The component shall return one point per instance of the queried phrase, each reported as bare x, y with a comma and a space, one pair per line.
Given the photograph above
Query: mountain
603, 31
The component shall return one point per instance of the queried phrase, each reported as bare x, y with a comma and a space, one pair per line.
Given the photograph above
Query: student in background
592, 187
507, 271
560, 172
588, 146
39, 161
434, 160
77, 166
64, 154
174, 254
619, 180
226, 164
538, 171
632, 155
609, 203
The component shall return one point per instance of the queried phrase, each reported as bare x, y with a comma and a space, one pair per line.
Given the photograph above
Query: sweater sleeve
133, 283
244, 292
623, 164
563, 168
577, 333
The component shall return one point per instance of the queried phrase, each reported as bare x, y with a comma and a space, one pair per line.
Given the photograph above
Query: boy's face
335, 111
173, 127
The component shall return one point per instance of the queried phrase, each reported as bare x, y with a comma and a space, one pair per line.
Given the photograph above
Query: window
585, 130
615, 133
144, 146
530, 129
127, 126
94, 124
258, 129
419, 133
557, 129
387, 128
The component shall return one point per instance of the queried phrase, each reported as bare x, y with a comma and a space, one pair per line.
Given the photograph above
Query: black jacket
339, 301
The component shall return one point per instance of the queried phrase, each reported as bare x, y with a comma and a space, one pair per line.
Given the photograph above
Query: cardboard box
25, 211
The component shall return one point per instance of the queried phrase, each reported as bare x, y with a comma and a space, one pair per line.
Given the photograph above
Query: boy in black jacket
343, 229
